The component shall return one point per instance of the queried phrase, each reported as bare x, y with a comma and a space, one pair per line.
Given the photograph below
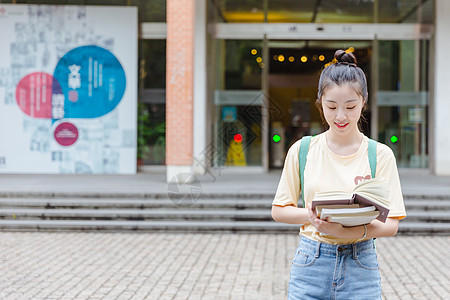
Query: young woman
332, 261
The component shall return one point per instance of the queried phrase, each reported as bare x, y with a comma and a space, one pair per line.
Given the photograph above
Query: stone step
183, 192
428, 215
175, 214
181, 226
212, 214
130, 214
415, 204
421, 227
411, 204
189, 226
133, 203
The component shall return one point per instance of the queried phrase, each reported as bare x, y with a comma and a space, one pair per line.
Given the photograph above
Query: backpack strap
304, 147
372, 153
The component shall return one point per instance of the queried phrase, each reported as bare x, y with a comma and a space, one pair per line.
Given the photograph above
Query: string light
350, 49
254, 51
304, 58
291, 58
281, 58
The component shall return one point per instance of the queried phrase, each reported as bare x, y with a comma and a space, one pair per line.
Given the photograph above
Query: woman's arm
290, 214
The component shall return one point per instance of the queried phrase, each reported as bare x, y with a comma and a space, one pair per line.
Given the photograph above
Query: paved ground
193, 266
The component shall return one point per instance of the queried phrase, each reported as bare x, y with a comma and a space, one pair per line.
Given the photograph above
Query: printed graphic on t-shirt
359, 179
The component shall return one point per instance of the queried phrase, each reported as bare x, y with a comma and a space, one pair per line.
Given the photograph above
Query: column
179, 89
441, 107
202, 150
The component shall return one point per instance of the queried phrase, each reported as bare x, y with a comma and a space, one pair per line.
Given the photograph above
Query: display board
68, 89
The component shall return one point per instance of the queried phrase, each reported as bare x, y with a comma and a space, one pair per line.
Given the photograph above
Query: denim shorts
324, 271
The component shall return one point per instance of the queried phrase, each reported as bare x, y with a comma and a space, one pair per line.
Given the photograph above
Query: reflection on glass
238, 11
152, 102
243, 64
403, 101
326, 11
290, 11
149, 11
238, 102
405, 11
344, 11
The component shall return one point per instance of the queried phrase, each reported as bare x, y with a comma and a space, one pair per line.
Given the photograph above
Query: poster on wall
68, 89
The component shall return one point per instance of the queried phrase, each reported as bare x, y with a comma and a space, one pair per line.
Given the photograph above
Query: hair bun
345, 57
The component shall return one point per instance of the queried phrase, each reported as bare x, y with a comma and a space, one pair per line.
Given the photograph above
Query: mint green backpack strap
373, 157
304, 147
372, 153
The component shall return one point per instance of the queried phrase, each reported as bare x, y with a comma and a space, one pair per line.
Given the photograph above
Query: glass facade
238, 103
149, 11
152, 102
403, 100
397, 73
336, 11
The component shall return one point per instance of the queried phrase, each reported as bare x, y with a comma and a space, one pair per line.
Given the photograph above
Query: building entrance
267, 79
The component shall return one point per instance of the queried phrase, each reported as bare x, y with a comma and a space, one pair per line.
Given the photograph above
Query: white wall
441, 108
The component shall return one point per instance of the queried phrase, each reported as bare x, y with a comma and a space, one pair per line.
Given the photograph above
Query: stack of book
367, 203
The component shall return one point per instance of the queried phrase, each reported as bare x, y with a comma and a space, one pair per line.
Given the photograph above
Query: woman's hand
374, 229
324, 226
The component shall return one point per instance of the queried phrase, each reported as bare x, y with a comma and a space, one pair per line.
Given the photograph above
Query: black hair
344, 71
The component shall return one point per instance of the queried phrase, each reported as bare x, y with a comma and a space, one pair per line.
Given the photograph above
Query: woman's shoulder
384, 151
314, 140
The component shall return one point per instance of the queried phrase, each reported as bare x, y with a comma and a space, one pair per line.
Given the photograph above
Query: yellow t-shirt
327, 171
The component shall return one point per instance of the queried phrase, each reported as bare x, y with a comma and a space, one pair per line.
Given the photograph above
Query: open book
367, 202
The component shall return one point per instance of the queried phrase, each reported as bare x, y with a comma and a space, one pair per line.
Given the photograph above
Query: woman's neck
344, 145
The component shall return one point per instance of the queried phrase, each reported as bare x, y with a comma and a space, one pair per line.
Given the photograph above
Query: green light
276, 138
394, 139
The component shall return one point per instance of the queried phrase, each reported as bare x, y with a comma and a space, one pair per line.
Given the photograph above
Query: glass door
402, 99
238, 104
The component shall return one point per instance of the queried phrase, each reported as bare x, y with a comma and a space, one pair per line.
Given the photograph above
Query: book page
320, 207
354, 221
348, 212
332, 195
376, 189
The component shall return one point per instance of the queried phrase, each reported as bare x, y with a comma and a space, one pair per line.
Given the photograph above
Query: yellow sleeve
387, 169
288, 189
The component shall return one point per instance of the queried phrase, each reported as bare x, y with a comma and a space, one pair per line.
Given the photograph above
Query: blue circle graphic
92, 82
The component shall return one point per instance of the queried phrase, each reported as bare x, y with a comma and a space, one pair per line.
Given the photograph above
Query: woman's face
342, 108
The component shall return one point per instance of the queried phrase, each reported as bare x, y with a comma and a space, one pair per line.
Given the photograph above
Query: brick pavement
74, 265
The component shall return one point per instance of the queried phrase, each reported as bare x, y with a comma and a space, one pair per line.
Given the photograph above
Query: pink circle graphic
34, 94
66, 134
